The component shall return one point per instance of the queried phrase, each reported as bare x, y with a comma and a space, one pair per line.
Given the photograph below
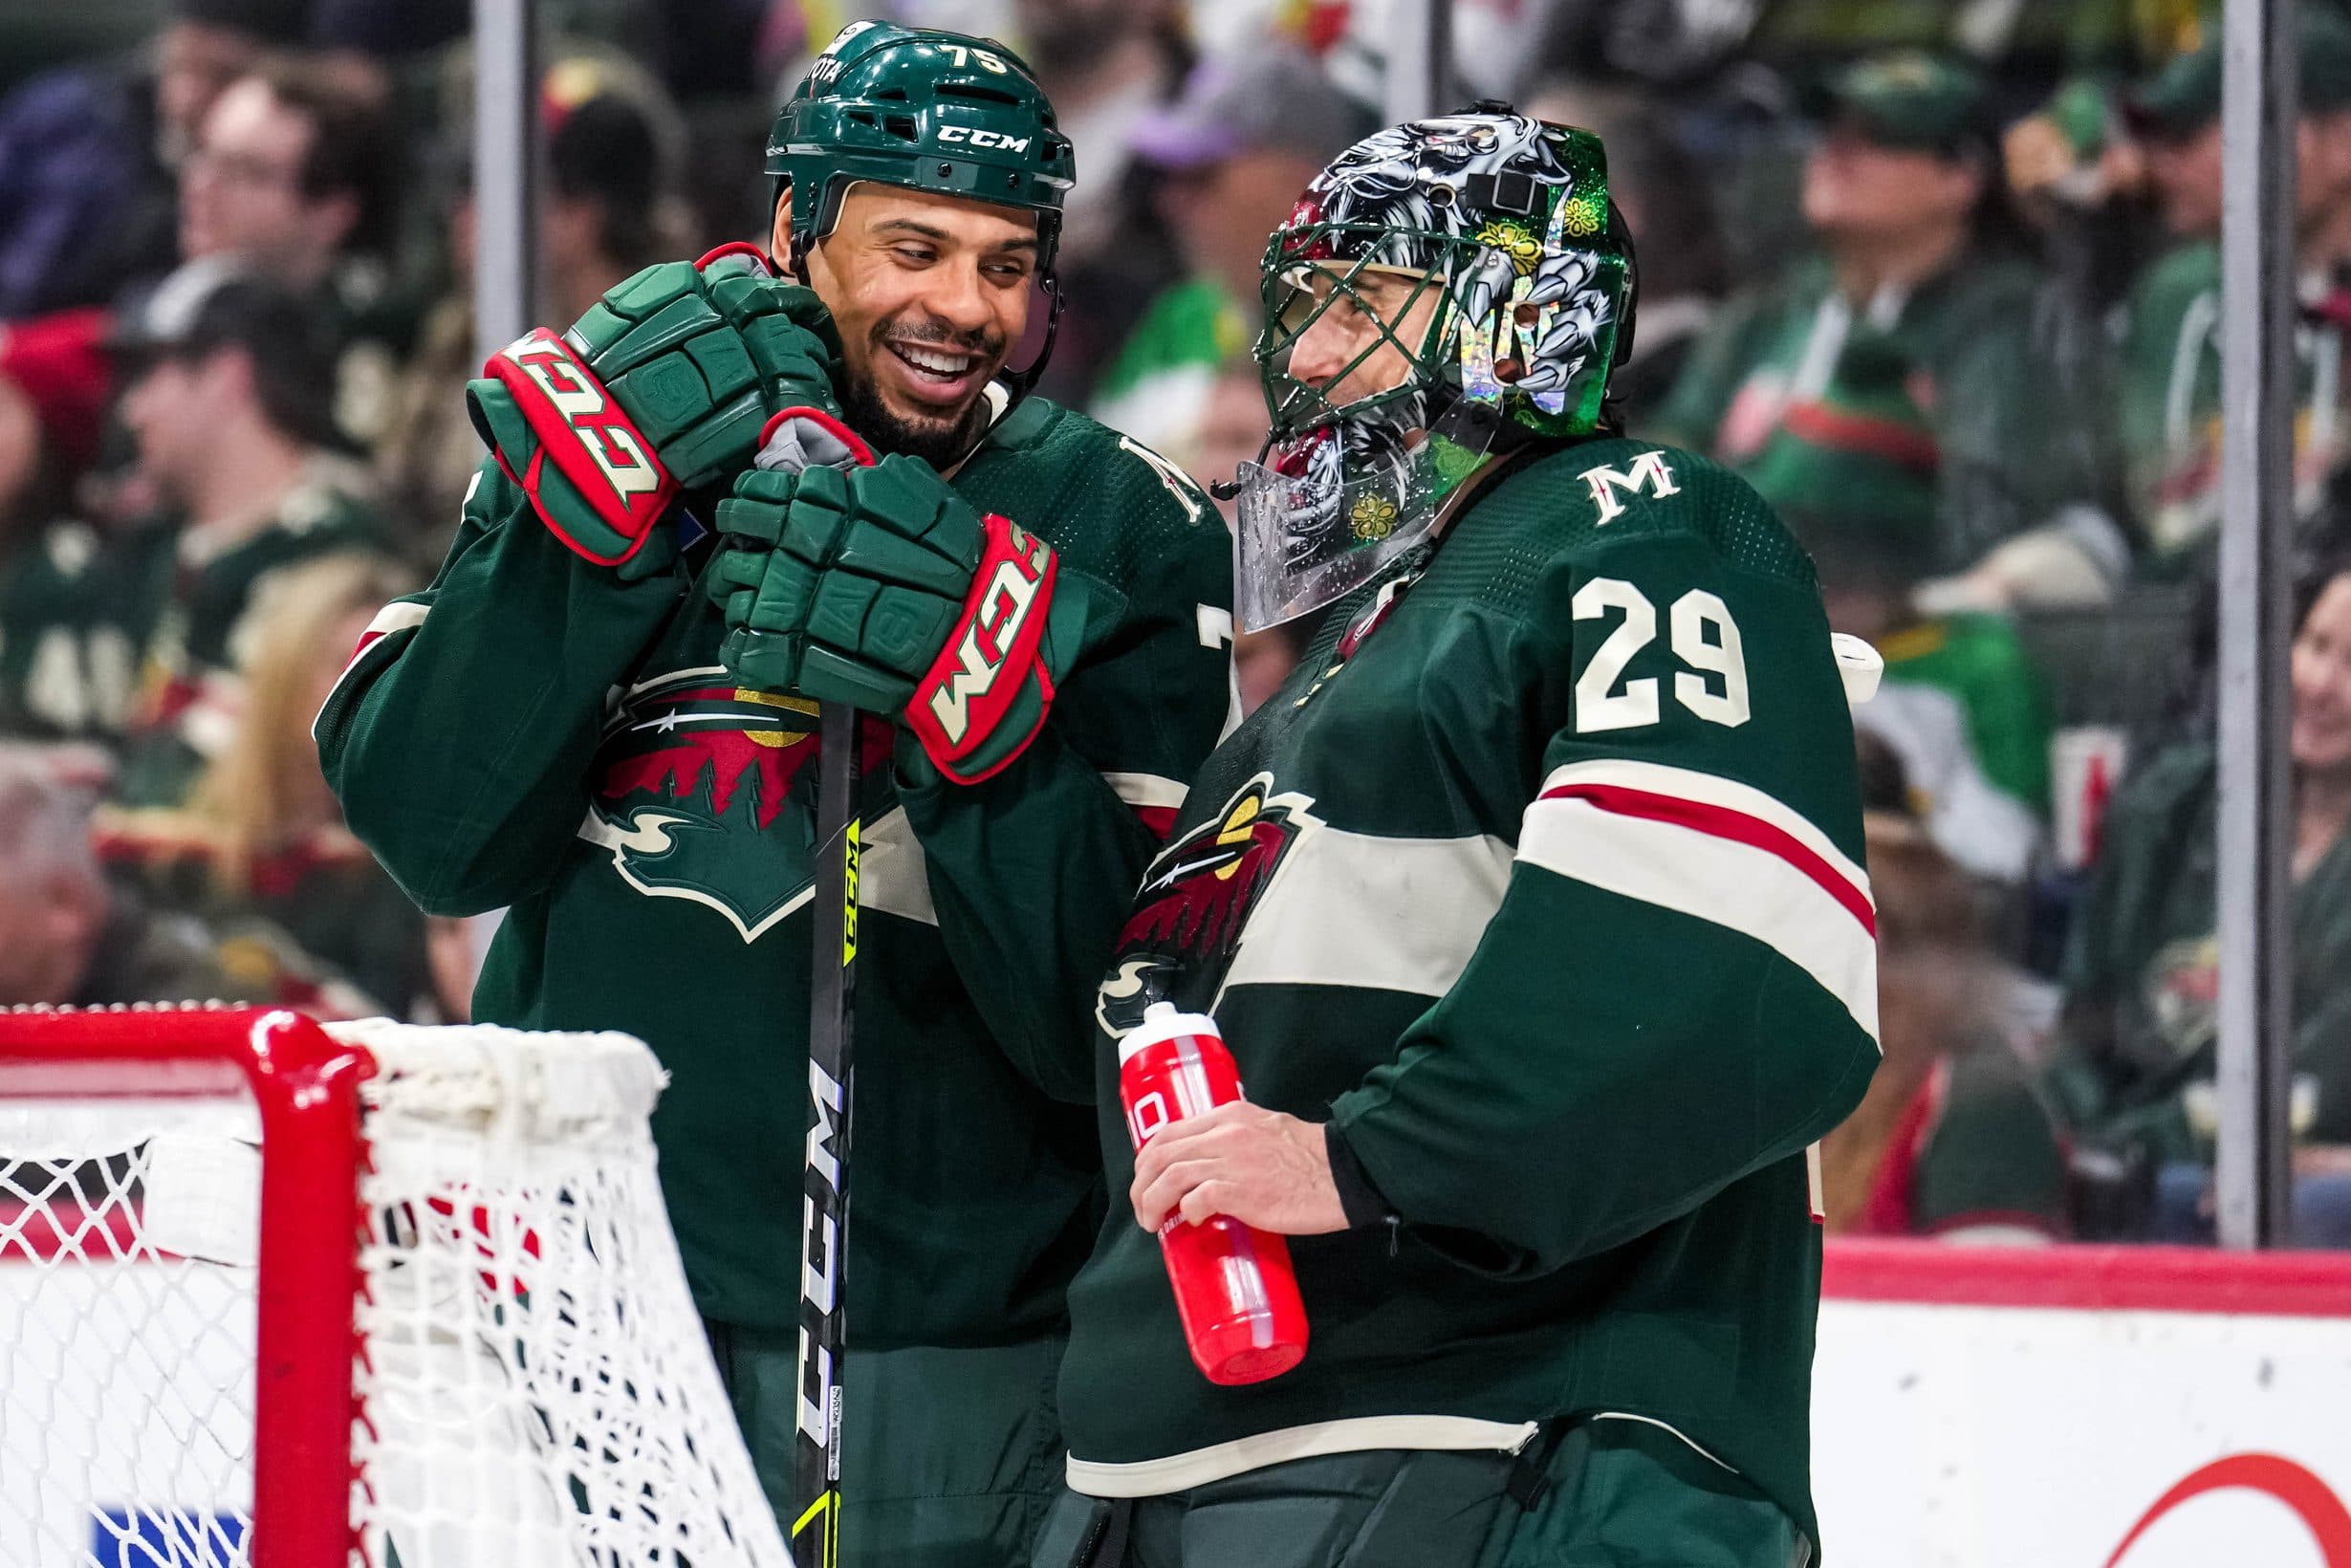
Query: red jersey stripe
1723, 823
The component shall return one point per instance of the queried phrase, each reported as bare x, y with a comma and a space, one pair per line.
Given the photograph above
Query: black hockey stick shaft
824, 1239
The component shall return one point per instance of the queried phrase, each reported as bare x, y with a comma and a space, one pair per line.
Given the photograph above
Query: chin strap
1024, 382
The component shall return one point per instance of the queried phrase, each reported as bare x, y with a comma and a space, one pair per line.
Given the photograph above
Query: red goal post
451, 1329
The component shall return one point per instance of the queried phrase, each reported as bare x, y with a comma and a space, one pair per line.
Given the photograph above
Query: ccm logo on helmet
978, 137
603, 430
1004, 607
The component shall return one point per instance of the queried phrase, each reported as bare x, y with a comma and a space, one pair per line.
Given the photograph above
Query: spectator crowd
1940, 279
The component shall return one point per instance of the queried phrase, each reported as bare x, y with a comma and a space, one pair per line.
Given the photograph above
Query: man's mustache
976, 340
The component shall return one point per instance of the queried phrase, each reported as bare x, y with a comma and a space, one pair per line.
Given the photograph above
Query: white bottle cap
1858, 665
1160, 1021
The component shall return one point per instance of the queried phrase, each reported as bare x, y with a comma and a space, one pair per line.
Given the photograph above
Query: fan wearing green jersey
1531, 908
602, 716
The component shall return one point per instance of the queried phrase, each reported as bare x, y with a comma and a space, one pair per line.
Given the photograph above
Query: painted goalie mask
1446, 289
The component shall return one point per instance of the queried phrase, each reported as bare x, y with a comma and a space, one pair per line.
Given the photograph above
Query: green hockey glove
882, 588
664, 385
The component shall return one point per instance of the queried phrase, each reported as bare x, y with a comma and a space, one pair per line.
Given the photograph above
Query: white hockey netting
535, 1386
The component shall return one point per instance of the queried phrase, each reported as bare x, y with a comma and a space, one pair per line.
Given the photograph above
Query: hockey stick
824, 1239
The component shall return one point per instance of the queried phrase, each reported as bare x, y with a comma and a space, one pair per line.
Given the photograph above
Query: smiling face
929, 293
2320, 669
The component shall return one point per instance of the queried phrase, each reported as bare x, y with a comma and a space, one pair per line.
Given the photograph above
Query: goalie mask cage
294, 1296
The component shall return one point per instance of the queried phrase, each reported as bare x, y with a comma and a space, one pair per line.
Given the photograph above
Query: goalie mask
1445, 289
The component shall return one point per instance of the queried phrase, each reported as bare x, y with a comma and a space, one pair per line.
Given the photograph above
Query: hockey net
287, 1295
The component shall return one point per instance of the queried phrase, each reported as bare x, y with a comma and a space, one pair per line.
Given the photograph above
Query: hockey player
1531, 908
570, 723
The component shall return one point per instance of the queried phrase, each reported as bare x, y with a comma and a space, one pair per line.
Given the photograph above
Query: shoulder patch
1614, 489
1171, 478
1597, 494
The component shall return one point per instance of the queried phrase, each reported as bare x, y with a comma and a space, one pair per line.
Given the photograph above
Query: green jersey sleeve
459, 737
1679, 987
2167, 399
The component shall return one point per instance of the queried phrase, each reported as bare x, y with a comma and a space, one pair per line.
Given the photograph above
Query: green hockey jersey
2167, 406
2142, 973
534, 731
132, 639
1975, 1156
1540, 876
1998, 354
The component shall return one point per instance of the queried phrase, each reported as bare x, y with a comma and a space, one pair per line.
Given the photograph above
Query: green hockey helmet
924, 110
1505, 277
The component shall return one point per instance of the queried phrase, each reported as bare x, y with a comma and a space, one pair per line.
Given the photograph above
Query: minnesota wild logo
2183, 992
1195, 901
691, 779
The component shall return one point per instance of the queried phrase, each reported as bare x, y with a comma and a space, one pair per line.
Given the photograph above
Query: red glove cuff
737, 248
859, 450
582, 431
991, 653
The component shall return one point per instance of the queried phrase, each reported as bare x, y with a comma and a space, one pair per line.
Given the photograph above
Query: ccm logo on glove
543, 374
1000, 631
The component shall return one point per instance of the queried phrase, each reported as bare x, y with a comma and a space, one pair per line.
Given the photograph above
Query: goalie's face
1351, 335
929, 293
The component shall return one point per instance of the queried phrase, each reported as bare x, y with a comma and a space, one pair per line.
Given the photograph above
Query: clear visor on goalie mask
1350, 478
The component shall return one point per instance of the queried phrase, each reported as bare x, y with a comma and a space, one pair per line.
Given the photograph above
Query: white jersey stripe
1384, 914
1146, 790
1711, 789
1354, 1434
398, 616
1742, 886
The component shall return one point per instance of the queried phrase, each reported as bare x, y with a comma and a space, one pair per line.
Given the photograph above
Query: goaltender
600, 715
1532, 910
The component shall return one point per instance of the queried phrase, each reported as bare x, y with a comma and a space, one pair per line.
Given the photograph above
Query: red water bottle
1234, 1289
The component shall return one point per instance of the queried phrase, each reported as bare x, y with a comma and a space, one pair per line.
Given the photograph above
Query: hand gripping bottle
1234, 1289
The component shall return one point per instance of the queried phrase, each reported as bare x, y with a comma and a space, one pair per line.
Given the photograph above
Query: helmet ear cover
1621, 234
